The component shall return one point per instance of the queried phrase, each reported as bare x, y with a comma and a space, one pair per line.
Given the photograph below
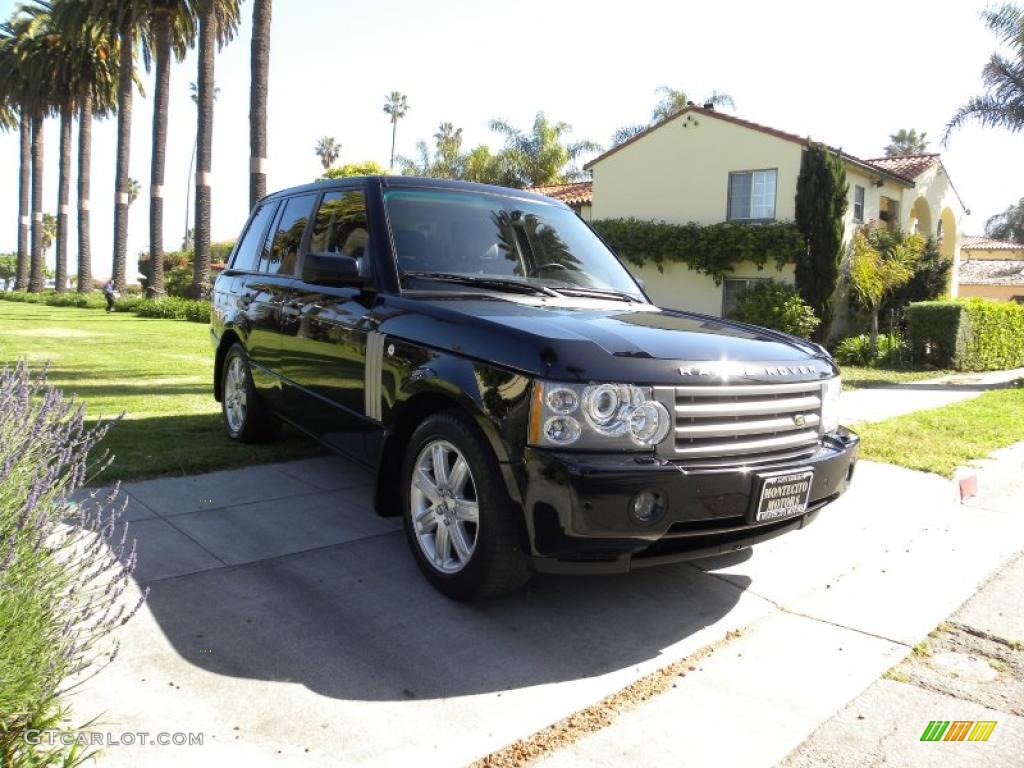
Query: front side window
858, 203
752, 195
247, 255
486, 236
282, 255
341, 227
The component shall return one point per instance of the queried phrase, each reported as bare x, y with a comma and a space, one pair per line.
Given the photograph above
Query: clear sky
847, 74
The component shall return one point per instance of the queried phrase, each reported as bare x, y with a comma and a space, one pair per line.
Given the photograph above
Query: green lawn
941, 439
159, 372
856, 377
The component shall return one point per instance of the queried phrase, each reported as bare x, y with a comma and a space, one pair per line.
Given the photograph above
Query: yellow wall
970, 254
1002, 292
680, 171
679, 287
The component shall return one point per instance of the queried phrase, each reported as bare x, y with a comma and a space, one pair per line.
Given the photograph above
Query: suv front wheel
461, 526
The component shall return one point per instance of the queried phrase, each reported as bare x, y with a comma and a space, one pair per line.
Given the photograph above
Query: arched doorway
921, 218
949, 246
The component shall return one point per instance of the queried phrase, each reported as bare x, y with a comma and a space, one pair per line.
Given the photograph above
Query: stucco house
991, 268
706, 166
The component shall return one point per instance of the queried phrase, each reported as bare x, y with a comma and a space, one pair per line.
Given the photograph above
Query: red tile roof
983, 243
992, 272
803, 141
577, 193
910, 166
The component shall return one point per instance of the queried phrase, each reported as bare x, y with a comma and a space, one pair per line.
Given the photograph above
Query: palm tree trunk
124, 133
156, 196
24, 191
63, 185
260, 65
37, 273
394, 129
84, 158
204, 136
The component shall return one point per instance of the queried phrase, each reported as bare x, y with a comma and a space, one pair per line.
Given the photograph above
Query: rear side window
341, 227
247, 255
282, 256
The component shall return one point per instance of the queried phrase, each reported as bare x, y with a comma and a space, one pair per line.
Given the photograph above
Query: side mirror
332, 269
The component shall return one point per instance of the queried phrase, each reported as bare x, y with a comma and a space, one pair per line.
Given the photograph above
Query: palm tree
327, 149
134, 189
189, 236
1002, 103
627, 132
674, 101
259, 76
1008, 225
172, 31
541, 156
904, 142
218, 21
396, 105
32, 41
91, 79
14, 86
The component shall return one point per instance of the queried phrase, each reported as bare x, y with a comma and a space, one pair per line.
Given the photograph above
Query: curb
965, 483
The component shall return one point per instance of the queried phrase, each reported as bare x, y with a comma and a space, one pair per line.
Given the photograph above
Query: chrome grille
745, 421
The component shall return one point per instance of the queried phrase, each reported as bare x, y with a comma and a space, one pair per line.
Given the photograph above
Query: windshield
488, 239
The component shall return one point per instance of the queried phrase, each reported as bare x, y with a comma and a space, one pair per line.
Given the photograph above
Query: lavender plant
65, 567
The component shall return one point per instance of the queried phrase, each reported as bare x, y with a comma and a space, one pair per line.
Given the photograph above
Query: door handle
245, 300
292, 309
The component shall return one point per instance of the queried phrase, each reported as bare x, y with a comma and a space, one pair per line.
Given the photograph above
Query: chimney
709, 105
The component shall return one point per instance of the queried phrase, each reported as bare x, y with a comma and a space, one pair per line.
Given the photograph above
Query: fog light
647, 507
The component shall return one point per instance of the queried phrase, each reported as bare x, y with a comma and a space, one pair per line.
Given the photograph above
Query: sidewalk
879, 403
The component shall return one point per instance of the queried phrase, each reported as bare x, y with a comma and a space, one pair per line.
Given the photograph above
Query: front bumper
578, 506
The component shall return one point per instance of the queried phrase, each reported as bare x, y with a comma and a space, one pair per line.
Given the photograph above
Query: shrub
856, 350
64, 567
775, 305
170, 308
174, 308
974, 334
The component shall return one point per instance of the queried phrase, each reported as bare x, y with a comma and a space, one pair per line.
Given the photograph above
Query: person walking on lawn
110, 293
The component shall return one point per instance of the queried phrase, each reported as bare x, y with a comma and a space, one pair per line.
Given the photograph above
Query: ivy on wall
713, 249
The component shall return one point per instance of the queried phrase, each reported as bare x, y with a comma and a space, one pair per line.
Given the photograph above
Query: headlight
830, 391
596, 416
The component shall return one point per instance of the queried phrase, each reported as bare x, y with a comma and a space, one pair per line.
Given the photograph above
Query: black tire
256, 423
497, 565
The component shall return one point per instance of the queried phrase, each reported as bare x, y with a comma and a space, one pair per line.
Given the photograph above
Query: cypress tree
821, 202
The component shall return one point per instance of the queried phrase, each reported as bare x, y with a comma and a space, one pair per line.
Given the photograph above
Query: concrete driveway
289, 625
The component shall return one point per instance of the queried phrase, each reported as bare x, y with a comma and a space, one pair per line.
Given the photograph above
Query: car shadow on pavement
357, 621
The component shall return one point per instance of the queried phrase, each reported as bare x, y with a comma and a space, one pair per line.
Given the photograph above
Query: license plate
783, 495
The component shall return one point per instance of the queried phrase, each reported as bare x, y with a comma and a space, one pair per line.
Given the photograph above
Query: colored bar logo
958, 730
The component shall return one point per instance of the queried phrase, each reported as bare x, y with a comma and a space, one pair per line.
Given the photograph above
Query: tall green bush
821, 203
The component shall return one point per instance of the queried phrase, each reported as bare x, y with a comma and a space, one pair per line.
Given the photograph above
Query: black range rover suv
522, 403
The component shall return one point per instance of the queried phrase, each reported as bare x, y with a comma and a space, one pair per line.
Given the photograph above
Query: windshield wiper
497, 283
602, 293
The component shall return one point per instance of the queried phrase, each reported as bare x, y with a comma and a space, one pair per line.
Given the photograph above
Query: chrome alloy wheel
235, 394
444, 508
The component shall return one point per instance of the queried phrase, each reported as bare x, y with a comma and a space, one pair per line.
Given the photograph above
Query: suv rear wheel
246, 417
461, 526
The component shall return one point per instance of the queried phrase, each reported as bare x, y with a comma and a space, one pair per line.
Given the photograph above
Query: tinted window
283, 253
247, 256
341, 228
483, 235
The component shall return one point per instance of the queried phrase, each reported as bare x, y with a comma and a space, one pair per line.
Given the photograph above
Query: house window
752, 195
733, 287
858, 202
889, 212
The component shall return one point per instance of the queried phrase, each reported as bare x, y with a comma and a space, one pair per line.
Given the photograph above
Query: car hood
596, 339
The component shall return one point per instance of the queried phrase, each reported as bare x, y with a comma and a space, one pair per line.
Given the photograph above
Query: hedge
973, 334
170, 308
713, 249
